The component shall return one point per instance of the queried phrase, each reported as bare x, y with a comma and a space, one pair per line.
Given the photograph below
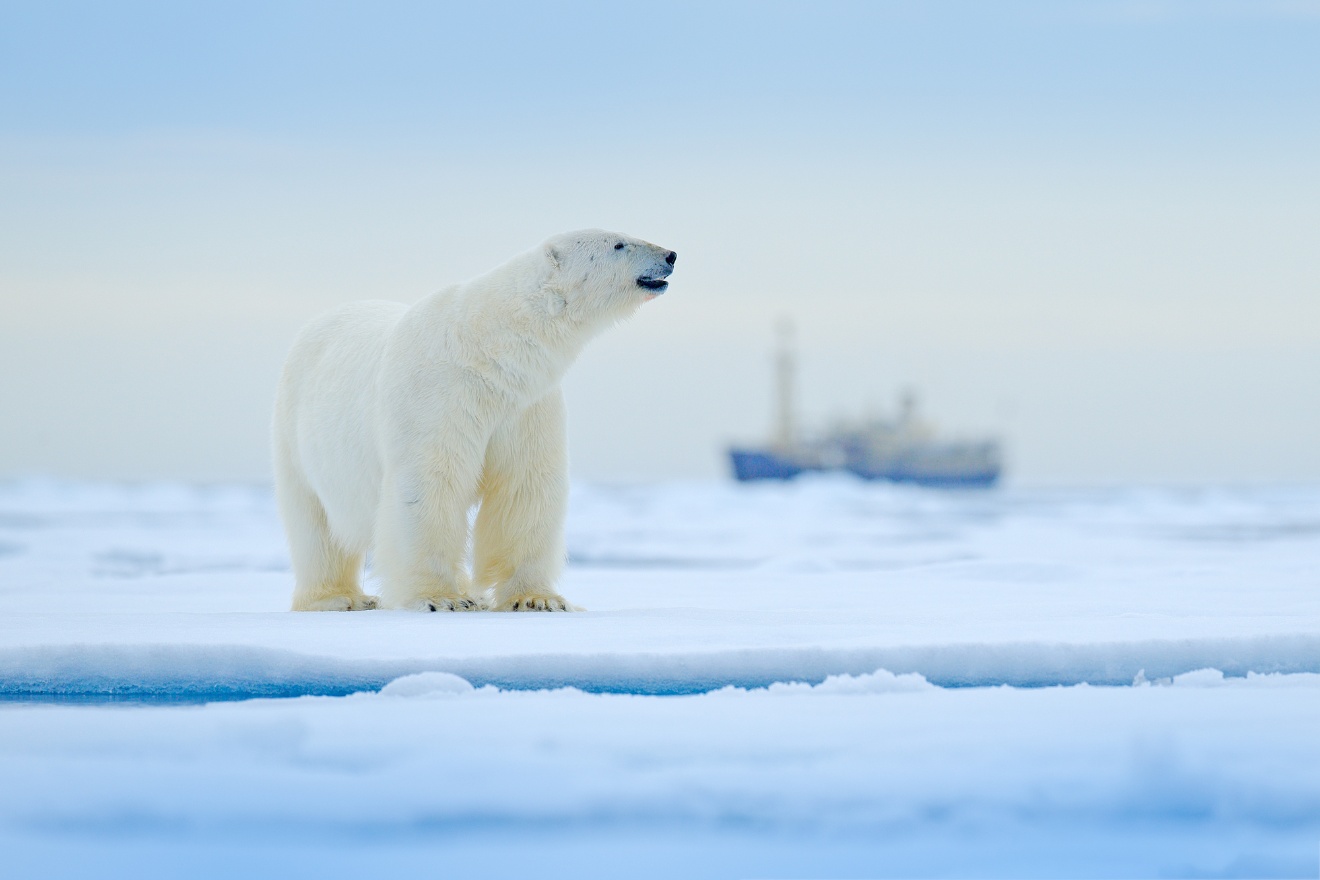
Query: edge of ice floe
216, 672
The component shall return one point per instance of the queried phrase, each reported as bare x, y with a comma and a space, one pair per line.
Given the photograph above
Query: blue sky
688, 73
1088, 227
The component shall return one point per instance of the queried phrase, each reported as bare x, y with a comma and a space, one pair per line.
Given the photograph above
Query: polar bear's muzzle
655, 280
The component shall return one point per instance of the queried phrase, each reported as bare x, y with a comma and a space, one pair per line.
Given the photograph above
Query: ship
902, 449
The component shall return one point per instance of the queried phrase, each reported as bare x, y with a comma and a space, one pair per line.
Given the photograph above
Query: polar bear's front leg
518, 545
421, 540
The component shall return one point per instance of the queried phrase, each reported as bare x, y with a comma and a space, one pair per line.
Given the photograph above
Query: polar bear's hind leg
327, 577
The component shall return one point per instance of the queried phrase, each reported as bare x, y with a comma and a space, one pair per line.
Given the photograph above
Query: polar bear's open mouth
656, 284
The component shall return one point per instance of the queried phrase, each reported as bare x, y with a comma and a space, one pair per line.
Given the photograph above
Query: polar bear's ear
552, 256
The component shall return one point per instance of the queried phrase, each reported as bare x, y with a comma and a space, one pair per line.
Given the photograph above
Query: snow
824, 678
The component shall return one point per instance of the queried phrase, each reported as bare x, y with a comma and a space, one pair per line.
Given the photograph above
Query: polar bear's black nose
671, 258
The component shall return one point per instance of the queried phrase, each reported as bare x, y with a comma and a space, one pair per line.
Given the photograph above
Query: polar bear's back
323, 431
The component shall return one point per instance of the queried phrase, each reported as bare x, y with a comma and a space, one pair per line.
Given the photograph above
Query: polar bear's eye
619, 246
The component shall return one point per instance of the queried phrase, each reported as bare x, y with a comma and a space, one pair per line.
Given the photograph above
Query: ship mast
784, 369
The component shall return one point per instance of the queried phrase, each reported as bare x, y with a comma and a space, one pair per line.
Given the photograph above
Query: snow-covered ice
820, 679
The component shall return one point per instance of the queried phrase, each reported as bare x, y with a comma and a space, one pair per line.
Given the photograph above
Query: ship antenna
784, 370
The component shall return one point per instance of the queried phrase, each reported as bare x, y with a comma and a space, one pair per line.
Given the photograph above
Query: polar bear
392, 421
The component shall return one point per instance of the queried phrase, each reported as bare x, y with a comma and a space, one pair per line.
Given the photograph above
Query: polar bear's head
605, 275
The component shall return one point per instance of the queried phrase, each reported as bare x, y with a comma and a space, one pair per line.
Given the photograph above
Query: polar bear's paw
360, 602
448, 603
538, 602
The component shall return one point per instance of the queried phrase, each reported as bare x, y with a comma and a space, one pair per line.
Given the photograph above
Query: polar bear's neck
511, 327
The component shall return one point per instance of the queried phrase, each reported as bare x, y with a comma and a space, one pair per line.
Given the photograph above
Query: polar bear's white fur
392, 421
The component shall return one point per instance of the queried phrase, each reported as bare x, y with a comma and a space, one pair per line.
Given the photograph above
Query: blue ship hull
752, 464
757, 464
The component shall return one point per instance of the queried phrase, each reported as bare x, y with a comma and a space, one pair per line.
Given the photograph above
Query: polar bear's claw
341, 603
539, 603
450, 603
